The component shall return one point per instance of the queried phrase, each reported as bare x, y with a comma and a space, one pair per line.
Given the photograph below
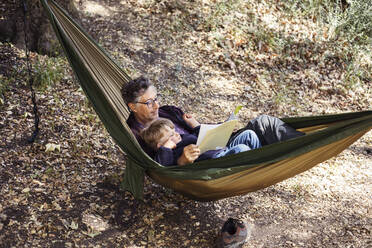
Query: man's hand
190, 120
190, 153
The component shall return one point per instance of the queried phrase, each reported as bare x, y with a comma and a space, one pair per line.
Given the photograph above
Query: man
142, 99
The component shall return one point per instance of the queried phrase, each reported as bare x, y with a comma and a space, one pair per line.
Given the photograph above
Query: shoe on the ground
234, 234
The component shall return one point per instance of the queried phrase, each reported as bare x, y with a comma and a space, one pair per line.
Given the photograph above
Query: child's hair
153, 133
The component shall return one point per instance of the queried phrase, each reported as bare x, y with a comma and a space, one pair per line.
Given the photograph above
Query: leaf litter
63, 190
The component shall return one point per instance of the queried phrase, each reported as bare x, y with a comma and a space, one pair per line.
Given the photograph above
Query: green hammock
102, 79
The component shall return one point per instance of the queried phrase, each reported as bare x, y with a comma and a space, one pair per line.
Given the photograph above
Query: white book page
212, 137
204, 128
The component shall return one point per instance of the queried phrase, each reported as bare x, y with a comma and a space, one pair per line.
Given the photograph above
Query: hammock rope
101, 79
30, 78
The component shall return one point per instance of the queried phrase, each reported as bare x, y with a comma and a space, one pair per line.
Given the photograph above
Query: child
169, 144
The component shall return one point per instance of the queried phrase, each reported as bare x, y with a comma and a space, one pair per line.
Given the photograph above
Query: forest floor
63, 189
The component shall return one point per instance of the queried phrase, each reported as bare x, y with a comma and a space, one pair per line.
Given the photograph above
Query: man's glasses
151, 102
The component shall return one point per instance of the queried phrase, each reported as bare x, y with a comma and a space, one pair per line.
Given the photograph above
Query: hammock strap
30, 78
133, 179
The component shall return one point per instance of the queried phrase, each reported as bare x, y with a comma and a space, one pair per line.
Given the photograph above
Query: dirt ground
63, 189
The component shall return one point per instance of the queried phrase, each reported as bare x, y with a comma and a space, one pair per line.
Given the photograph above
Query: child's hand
169, 144
190, 120
189, 155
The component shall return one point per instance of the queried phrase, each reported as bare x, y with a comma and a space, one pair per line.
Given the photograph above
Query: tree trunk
40, 34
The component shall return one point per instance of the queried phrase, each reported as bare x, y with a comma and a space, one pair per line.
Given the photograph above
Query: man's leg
270, 129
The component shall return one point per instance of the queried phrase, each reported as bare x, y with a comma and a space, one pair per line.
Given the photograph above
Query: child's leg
248, 137
233, 150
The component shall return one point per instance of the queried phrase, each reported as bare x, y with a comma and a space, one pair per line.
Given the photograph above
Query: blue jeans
245, 141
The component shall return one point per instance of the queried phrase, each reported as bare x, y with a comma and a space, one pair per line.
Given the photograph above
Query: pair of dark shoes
234, 234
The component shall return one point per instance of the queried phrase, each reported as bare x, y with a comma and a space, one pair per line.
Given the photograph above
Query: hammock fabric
102, 79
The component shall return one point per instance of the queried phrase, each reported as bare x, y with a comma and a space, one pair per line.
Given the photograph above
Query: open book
216, 136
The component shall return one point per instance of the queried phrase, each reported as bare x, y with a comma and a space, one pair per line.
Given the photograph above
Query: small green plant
297, 188
178, 24
48, 71
355, 22
349, 33
281, 96
355, 76
4, 87
92, 118
265, 38
49, 171
351, 19
219, 14
8, 79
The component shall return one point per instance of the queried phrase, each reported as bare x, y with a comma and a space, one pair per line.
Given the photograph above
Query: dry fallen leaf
95, 223
52, 147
